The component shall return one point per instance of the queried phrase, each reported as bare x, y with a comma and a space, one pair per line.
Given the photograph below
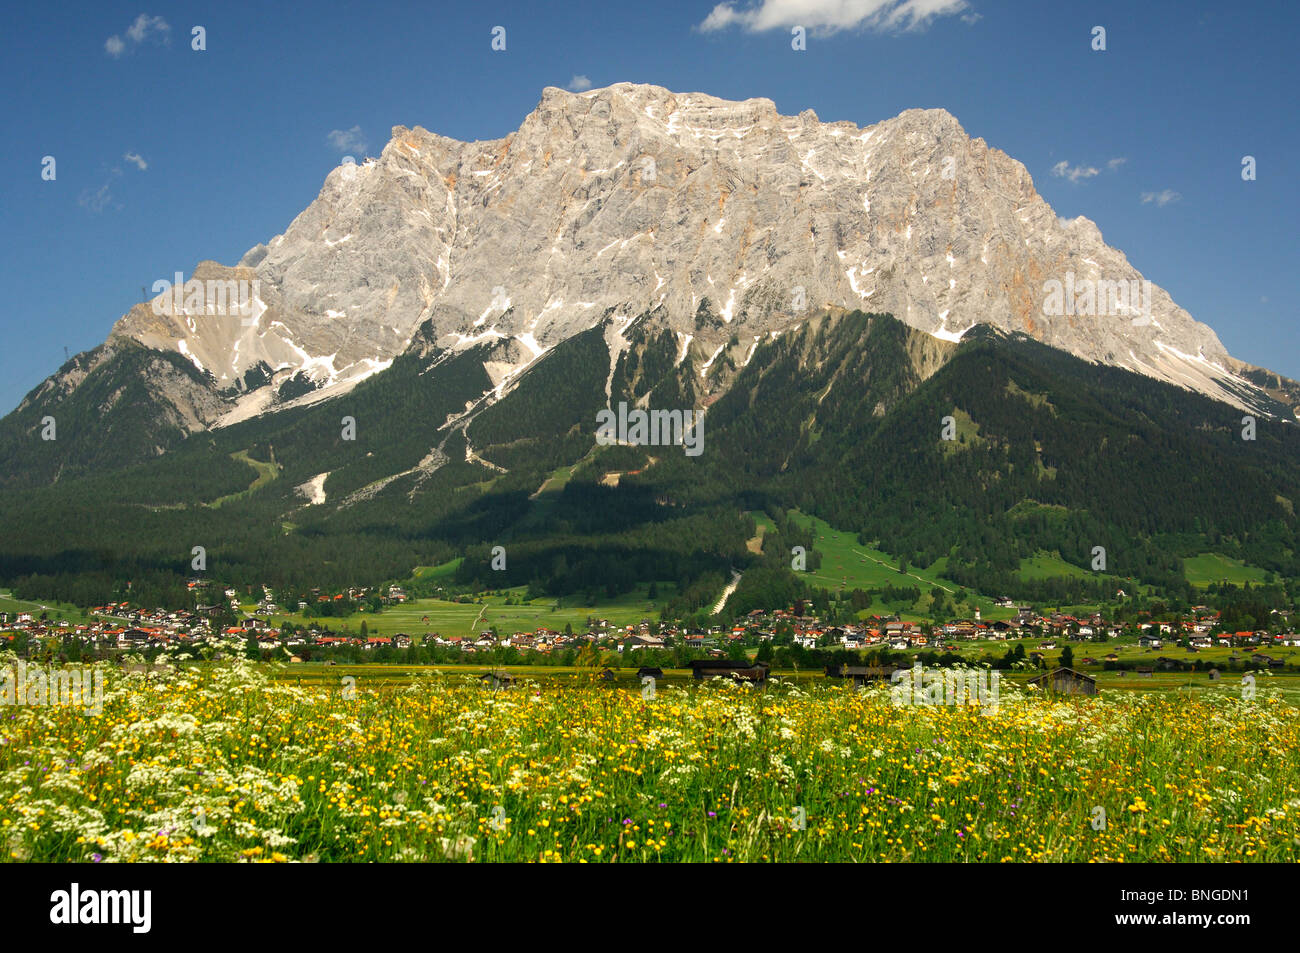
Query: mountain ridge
842, 417
727, 220
633, 196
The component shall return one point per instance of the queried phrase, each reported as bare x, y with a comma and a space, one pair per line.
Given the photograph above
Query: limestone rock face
734, 221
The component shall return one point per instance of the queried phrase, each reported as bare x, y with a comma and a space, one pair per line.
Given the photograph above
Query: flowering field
220, 762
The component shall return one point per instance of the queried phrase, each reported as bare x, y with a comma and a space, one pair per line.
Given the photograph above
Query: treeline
1052, 455
96, 588
834, 418
1247, 607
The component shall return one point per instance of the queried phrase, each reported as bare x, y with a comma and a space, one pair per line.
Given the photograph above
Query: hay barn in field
1066, 681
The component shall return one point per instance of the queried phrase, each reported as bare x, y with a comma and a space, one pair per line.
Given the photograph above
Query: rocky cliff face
734, 221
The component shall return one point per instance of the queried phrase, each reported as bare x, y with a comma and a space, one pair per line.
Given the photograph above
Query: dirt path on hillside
726, 593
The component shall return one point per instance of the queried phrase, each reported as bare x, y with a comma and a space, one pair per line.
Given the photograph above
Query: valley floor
227, 763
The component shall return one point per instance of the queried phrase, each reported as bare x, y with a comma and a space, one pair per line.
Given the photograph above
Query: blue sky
166, 156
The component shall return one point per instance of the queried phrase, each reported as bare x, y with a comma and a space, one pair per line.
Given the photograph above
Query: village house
853, 639
632, 643
133, 639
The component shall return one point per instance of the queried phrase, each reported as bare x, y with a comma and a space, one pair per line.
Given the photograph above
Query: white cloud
578, 84
1161, 198
1079, 173
142, 28
96, 200
825, 17
347, 140
144, 25
1063, 170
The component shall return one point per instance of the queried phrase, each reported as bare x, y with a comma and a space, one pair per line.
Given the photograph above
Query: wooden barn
862, 674
755, 672
1066, 681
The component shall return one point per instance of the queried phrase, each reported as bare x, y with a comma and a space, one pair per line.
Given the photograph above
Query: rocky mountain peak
728, 219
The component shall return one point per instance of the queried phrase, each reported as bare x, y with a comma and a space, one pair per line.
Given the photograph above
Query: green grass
968, 434
443, 571
1212, 567
55, 610
455, 618
557, 480
763, 526
1130, 653
400, 675
848, 564
1036, 400
1048, 566
266, 472
311, 674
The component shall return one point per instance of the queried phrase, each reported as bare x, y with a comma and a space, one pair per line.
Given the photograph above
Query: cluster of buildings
267, 606
122, 626
116, 626
1200, 627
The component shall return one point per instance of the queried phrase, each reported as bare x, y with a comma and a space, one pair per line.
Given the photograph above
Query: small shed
497, 680
755, 672
862, 674
649, 671
1066, 681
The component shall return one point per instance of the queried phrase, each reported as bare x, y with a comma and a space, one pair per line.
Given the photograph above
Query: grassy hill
456, 618
1209, 568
